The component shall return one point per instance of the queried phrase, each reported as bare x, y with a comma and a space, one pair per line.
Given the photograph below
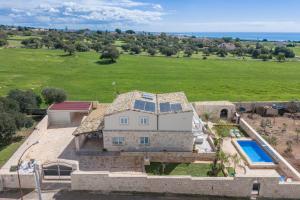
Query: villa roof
214, 103
94, 121
71, 105
126, 101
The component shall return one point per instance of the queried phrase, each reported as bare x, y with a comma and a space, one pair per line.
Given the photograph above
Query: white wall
112, 122
175, 121
59, 117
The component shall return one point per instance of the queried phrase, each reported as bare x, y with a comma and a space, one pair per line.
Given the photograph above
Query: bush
3, 42
25, 99
7, 127
81, 47
53, 95
32, 43
22, 120
288, 53
135, 49
151, 51
111, 53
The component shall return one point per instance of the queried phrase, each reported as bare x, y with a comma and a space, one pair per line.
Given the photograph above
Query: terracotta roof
71, 105
126, 101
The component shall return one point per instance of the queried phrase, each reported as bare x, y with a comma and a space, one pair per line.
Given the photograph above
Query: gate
57, 171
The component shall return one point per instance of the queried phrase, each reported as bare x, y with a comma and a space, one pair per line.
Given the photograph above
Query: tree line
131, 42
15, 109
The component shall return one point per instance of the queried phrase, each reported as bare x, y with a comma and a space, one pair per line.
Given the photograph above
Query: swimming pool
255, 153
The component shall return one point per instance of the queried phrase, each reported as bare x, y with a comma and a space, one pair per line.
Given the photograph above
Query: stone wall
10, 180
176, 157
286, 167
159, 141
248, 106
218, 186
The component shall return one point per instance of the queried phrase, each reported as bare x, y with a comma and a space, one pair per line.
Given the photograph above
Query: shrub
7, 127
32, 43
53, 95
3, 42
111, 53
151, 51
25, 99
81, 47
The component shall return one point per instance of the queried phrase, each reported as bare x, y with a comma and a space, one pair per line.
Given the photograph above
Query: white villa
139, 121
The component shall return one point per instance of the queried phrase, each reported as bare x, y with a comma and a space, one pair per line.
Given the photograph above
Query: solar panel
138, 104
165, 107
150, 106
176, 107
148, 96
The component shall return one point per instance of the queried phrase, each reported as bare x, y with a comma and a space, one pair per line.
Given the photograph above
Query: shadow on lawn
105, 62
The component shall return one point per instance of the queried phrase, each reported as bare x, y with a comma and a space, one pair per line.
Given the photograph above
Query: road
84, 195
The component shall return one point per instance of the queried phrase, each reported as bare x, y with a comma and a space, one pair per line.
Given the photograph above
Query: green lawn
192, 169
7, 151
84, 78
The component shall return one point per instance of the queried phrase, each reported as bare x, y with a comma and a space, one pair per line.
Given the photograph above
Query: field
85, 78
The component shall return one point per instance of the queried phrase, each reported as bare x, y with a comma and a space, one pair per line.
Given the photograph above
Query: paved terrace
57, 144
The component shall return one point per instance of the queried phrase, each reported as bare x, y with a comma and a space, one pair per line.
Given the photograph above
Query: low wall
217, 186
288, 169
183, 157
161, 184
10, 180
248, 106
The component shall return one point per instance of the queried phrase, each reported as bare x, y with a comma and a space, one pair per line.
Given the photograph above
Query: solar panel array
144, 105
167, 107
150, 106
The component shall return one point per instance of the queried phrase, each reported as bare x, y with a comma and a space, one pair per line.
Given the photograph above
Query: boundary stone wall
217, 186
282, 163
10, 180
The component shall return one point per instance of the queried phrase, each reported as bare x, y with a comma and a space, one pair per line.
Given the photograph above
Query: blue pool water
254, 151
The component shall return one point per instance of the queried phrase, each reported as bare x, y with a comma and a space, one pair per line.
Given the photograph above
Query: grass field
182, 169
85, 78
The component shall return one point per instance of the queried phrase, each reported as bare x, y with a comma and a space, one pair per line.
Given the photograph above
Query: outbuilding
215, 109
68, 113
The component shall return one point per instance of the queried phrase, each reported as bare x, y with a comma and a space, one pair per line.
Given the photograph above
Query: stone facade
218, 186
215, 109
159, 141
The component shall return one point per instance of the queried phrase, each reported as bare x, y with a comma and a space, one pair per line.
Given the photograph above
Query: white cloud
37, 12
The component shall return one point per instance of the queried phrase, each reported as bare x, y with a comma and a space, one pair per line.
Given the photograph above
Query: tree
168, 51
118, 31
8, 105
7, 127
3, 42
280, 57
130, 32
97, 46
81, 47
26, 99
222, 52
288, 53
135, 49
151, 51
70, 49
32, 43
110, 52
188, 52
53, 95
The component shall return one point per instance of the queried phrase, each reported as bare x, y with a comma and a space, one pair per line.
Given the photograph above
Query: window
144, 140
144, 120
123, 120
118, 140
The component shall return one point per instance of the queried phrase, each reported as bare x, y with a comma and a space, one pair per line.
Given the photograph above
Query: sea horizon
270, 36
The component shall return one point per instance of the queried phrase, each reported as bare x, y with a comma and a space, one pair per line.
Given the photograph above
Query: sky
156, 15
